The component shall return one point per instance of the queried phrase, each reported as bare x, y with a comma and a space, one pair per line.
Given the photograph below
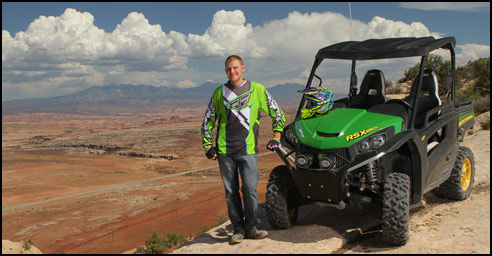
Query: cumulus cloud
228, 34
470, 52
72, 37
298, 37
140, 46
60, 49
380, 27
295, 40
55, 51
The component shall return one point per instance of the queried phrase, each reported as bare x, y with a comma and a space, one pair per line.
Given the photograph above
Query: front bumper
325, 186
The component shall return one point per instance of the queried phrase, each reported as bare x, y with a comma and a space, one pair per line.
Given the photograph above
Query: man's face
234, 70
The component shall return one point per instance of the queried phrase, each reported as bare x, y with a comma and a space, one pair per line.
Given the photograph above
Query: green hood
342, 127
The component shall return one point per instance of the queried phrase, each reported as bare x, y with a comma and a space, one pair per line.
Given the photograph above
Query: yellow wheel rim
466, 172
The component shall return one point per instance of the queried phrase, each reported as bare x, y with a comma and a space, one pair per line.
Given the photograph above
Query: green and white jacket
237, 109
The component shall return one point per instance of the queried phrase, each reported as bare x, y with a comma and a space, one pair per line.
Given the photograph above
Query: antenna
350, 13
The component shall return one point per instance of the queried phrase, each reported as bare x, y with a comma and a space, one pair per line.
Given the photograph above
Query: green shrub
472, 80
27, 245
157, 244
481, 104
154, 244
173, 239
434, 62
486, 124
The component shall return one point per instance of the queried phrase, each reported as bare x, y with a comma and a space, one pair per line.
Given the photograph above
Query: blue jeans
241, 218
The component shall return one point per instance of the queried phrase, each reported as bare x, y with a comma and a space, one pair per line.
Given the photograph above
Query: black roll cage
385, 49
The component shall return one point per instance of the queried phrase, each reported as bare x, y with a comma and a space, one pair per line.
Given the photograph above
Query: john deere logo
360, 133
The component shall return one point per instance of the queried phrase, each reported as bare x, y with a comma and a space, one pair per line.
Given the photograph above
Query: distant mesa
133, 98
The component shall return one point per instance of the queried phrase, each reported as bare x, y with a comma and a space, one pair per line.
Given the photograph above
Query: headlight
327, 162
372, 142
378, 141
291, 136
363, 146
303, 161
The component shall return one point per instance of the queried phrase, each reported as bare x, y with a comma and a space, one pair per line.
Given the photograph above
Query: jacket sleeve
273, 109
208, 123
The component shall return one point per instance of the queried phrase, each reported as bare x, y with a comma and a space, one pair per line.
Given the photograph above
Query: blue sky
49, 50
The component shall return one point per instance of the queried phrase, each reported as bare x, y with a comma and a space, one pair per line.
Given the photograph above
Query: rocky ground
9, 247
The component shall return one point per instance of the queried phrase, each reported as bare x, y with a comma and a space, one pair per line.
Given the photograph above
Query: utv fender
393, 144
397, 141
463, 128
406, 142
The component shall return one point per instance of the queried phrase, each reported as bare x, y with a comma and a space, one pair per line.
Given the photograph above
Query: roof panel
385, 48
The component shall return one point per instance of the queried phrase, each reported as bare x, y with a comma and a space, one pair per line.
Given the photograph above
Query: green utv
371, 151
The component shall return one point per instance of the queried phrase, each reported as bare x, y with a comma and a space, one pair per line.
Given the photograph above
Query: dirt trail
114, 187
438, 226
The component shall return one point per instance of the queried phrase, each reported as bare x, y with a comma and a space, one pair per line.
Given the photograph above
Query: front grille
341, 155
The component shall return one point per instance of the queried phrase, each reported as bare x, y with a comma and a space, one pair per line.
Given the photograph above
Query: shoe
256, 234
237, 237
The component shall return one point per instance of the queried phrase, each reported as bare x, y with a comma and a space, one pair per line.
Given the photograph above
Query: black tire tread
396, 200
276, 203
451, 188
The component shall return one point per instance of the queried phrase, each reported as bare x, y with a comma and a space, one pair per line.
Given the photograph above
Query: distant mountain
109, 92
93, 94
286, 91
125, 97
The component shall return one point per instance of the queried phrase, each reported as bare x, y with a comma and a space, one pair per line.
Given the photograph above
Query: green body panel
343, 127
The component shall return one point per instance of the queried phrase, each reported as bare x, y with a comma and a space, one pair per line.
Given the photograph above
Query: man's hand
273, 144
211, 152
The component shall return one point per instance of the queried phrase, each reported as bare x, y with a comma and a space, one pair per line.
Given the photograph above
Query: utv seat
428, 97
371, 91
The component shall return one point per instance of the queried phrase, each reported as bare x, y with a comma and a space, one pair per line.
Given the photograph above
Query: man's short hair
233, 57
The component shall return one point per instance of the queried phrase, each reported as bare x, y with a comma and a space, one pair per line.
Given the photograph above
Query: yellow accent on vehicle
465, 120
360, 133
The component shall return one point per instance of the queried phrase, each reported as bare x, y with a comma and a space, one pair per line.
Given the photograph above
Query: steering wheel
398, 101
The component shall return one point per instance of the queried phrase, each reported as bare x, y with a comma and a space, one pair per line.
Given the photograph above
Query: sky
58, 48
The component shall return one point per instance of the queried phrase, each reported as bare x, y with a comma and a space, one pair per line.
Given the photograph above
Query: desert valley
101, 177
100, 183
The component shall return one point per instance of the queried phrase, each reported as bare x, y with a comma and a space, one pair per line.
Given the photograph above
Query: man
236, 105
